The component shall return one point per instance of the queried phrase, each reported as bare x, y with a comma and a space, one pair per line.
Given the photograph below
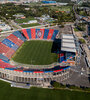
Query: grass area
65, 8
24, 20
34, 3
8, 93
29, 25
35, 52
58, 85
61, 8
82, 41
80, 27
76, 30
83, 13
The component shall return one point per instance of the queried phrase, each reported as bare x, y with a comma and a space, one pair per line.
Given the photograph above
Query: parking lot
78, 80
79, 76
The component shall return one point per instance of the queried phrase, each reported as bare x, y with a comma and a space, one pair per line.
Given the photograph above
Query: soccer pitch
36, 52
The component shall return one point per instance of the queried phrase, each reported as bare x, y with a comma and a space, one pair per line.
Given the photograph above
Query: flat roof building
68, 43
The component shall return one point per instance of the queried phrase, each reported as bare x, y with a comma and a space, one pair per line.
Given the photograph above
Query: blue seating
66, 67
62, 58
3, 57
29, 33
5, 61
8, 43
54, 34
37, 32
48, 71
46, 33
19, 35
68, 55
15, 47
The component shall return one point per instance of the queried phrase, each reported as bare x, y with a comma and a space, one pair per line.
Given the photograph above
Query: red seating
25, 33
50, 34
60, 55
58, 70
42, 33
33, 33
20, 42
15, 39
4, 48
5, 65
38, 72
9, 53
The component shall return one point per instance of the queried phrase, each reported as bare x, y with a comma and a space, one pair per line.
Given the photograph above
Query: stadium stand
29, 33
15, 47
25, 33
15, 39
19, 35
42, 30
33, 33
38, 33
64, 57
54, 34
46, 33
58, 70
10, 67
5, 61
9, 53
8, 43
70, 55
4, 48
50, 34
61, 57
3, 57
5, 65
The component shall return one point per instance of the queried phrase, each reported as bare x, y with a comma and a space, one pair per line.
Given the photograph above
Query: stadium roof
68, 43
68, 40
67, 36
68, 49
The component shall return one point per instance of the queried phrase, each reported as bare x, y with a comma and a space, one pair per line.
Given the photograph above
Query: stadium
37, 56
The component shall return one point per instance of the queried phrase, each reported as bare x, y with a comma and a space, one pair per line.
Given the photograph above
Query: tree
82, 41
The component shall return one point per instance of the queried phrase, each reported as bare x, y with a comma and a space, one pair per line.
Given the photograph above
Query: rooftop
67, 36
68, 49
68, 40
68, 43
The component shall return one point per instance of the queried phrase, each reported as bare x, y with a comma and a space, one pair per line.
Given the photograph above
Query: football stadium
37, 56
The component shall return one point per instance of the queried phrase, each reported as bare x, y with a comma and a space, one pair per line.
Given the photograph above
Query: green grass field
9, 93
35, 52
61, 8
65, 8
29, 25
24, 20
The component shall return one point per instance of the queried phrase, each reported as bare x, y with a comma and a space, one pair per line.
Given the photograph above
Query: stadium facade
37, 76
